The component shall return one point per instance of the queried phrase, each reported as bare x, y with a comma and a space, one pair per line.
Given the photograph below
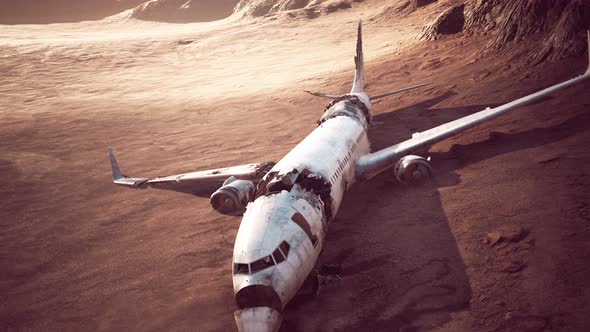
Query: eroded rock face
410, 6
511, 21
257, 8
294, 8
184, 10
449, 22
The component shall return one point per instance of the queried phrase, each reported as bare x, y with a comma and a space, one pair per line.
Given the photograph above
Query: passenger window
241, 268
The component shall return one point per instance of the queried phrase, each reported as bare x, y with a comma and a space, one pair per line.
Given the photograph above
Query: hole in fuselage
258, 296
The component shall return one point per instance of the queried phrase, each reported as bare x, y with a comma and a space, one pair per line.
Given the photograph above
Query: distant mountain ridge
60, 11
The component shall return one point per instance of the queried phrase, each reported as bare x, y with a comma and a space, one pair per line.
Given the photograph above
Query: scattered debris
330, 269
329, 273
508, 233
508, 315
549, 159
449, 22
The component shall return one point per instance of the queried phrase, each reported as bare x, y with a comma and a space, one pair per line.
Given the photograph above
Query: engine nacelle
413, 170
233, 196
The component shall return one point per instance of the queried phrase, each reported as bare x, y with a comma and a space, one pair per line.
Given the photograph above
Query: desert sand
78, 253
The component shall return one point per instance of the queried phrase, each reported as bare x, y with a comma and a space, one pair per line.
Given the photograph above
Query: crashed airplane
287, 207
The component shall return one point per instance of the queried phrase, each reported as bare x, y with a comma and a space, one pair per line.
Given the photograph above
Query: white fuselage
283, 230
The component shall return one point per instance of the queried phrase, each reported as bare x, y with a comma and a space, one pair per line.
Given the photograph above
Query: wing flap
244, 172
389, 93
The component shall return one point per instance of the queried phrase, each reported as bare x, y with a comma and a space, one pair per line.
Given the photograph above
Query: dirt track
81, 254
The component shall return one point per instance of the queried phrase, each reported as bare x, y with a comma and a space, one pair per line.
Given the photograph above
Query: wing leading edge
193, 182
374, 163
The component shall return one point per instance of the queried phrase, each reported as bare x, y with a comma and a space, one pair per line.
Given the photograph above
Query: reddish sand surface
78, 253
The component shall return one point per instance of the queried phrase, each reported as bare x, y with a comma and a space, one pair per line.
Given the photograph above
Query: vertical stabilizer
359, 61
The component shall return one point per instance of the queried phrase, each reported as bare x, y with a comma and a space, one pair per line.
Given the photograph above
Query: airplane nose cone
258, 319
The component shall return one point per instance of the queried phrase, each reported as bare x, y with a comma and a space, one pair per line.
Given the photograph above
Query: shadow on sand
401, 268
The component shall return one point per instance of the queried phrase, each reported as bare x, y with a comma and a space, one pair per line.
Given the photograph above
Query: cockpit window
279, 255
261, 264
241, 268
282, 252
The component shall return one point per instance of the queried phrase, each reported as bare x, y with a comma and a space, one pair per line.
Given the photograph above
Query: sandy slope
80, 254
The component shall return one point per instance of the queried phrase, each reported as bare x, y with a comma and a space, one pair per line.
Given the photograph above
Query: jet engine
233, 196
413, 169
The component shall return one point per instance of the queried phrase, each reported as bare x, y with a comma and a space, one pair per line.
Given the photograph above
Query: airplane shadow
401, 268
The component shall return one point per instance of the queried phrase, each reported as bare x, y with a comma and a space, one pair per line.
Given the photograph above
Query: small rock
185, 42
483, 298
509, 233
500, 303
513, 233
493, 237
511, 266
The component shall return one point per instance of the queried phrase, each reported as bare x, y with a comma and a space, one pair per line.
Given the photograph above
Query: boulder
449, 22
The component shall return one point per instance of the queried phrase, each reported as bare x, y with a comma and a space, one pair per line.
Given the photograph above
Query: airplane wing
193, 182
374, 163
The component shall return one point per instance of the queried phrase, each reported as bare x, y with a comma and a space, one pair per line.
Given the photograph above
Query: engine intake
233, 196
413, 170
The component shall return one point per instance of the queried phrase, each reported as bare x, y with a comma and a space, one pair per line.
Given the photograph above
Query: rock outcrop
410, 6
563, 21
184, 11
258, 8
294, 8
449, 22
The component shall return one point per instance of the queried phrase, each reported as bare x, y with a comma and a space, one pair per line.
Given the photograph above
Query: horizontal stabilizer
385, 94
323, 95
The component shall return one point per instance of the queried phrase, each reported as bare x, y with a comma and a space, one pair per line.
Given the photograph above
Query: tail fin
359, 61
